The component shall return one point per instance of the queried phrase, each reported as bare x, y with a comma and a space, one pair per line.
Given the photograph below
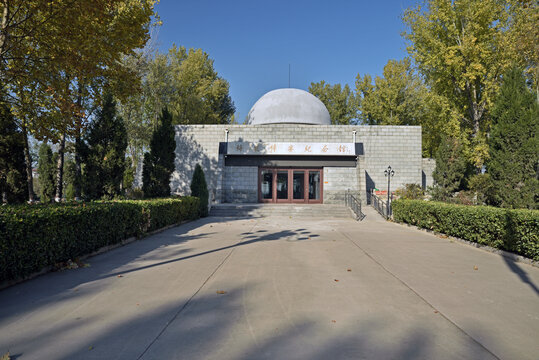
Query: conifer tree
12, 164
150, 186
105, 154
514, 145
159, 162
46, 173
199, 189
70, 179
451, 169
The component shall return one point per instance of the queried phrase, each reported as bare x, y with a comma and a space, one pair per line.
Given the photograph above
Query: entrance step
294, 210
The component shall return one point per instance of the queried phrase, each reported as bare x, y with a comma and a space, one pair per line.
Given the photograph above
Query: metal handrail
381, 206
353, 203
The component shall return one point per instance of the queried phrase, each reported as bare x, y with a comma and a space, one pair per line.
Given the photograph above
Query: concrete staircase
294, 210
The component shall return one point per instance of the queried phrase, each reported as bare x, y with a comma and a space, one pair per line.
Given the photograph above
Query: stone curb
504, 253
47, 269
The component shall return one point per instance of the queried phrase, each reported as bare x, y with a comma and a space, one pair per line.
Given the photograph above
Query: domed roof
288, 106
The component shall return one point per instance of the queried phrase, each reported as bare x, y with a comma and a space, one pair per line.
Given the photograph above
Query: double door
280, 185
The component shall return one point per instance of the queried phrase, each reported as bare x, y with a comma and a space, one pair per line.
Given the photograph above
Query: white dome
288, 106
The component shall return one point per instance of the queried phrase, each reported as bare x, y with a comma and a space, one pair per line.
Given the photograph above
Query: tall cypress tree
46, 170
159, 162
70, 179
12, 165
104, 156
513, 144
199, 188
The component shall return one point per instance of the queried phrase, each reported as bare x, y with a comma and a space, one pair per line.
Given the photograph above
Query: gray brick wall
241, 184
337, 179
398, 146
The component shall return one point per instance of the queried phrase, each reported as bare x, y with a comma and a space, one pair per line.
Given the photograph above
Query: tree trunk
28, 161
60, 169
4, 197
536, 78
3, 31
477, 109
78, 172
475, 124
537, 88
474, 107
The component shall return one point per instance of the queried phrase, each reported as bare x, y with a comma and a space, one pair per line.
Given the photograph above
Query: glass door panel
266, 185
282, 185
278, 185
314, 185
298, 185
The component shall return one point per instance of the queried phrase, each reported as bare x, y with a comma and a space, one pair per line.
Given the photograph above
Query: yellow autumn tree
73, 48
523, 38
461, 48
400, 97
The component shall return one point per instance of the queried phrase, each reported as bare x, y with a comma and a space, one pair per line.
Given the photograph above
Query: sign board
282, 148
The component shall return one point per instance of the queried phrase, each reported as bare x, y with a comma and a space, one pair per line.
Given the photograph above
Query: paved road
279, 288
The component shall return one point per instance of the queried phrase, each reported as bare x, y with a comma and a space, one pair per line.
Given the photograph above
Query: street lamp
389, 173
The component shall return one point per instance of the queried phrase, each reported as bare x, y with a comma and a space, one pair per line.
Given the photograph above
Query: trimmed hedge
33, 237
513, 230
158, 213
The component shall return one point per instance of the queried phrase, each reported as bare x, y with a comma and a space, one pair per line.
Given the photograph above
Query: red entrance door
278, 185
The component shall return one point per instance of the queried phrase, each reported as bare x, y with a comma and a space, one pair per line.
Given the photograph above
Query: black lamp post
389, 173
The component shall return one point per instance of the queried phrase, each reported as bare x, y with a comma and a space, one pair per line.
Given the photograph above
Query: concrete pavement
279, 288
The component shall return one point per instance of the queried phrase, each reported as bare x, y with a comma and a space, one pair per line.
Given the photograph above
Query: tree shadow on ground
65, 285
216, 326
523, 275
208, 324
246, 239
58, 285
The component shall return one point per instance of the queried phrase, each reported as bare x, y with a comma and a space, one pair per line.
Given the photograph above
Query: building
288, 152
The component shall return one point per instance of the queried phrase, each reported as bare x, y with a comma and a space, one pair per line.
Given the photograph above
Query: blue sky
252, 42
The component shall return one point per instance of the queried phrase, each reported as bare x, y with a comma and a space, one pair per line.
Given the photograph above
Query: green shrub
463, 197
481, 185
410, 191
524, 236
512, 230
135, 194
158, 213
33, 237
199, 189
452, 168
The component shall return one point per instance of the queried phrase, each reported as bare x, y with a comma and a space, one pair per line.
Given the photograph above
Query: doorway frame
290, 199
